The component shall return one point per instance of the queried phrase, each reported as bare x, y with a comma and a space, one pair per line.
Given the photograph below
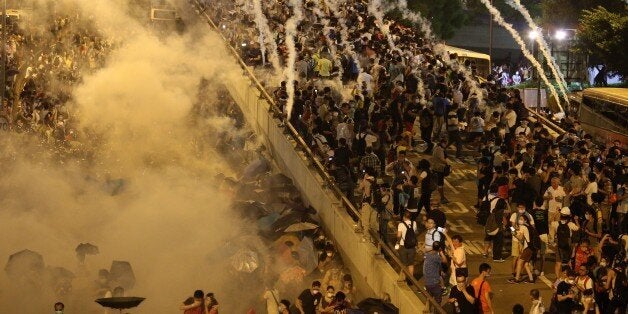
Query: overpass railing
322, 171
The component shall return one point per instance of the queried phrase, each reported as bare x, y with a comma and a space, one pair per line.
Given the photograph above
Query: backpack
492, 227
535, 240
409, 241
485, 210
563, 236
432, 183
360, 145
425, 120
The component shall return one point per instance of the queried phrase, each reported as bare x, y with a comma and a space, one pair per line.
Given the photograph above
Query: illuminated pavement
460, 189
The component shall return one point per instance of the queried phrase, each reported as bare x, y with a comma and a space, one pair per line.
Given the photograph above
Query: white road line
546, 281
451, 187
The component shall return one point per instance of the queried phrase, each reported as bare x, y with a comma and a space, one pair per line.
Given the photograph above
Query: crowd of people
366, 106
44, 61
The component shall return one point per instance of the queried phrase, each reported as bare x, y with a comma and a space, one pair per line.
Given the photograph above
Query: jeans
438, 126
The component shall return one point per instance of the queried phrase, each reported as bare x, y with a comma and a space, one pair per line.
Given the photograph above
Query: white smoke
440, 49
497, 16
543, 47
265, 33
375, 8
326, 32
291, 34
334, 7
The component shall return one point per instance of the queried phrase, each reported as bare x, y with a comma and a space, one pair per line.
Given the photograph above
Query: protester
482, 289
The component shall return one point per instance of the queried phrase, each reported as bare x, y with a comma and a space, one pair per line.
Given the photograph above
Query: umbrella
291, 218
122, 274
278, 180
256, 167
265, 223
301, 226
307, 256
245, 260
85, 249
120, 303
372, 305
24, 262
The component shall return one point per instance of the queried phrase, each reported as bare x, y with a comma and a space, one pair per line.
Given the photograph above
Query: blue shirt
440, 105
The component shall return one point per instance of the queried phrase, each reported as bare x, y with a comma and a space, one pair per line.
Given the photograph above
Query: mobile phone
512, 228
440, 229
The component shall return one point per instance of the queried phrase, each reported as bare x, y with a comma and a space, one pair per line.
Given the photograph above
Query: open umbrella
121, 273
85, 249
265, 223
120, 303
245, 260
307, 255
372, 305
23, 263
256, 167
301, 226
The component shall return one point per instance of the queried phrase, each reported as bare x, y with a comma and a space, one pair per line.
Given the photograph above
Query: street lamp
533, 34
560, 34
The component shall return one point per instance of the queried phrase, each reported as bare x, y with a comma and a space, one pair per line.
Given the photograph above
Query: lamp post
490, 41
533, 34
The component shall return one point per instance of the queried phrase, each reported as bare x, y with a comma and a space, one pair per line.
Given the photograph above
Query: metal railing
327, 178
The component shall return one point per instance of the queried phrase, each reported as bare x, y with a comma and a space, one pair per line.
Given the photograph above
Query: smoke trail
551, 62
375, 8
264, 32
497, 16
421, 88
332, 46
291, 33
439, 48
344, 32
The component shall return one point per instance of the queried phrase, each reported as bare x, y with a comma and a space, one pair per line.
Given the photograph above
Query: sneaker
513, 280
501, 260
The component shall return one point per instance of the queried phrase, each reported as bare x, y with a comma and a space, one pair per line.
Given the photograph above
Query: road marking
451, 187
462, 209
473, 247
459, 226
546, 281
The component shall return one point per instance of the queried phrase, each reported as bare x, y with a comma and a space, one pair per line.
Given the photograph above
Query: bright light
243, 44
560, 35
533, 34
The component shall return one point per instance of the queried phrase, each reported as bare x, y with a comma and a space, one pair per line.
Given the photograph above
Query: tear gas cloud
170, 216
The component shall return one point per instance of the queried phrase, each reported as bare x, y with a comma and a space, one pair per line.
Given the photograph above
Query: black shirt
568, 305
464, 304
540, 220
309, 302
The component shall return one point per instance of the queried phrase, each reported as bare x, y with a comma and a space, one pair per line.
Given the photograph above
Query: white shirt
552, 204
430, 237
271, 301
459, 255
590, 189
403, 228
521, 128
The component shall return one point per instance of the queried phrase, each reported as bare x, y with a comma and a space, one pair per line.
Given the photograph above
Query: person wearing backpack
495, 222
406, 241
561, 232
522, 234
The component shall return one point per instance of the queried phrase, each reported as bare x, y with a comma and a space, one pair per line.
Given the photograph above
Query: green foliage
477, 9
604, 34
566, 13
445, 16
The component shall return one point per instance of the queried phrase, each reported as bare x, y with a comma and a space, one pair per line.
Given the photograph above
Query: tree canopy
604, 34
566, 13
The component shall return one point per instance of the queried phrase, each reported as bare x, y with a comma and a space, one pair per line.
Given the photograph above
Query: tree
604, 35
566, 13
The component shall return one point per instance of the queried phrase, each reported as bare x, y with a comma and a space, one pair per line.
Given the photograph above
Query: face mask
315, 292
330, 254
570, 281
58, 312
330, 295
603, 264
281, 308
521, 211
556, 152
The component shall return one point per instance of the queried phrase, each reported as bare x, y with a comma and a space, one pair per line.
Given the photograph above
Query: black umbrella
24, 262
291, 218
120, 303
277, 180
121, 273
372, 305
85, 249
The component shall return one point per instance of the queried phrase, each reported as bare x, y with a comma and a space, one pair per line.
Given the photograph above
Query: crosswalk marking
473, 247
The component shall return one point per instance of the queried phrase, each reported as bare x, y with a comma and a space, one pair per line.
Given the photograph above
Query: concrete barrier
372, 274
